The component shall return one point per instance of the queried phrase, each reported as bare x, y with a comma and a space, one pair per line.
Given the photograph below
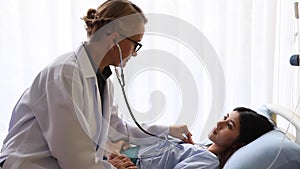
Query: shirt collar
106, 71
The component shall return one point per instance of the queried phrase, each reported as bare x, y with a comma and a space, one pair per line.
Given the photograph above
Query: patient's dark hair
252, 126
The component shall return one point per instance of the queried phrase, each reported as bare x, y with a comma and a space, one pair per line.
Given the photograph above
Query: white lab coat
58, 122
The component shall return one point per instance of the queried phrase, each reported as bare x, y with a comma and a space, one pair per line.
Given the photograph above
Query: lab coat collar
84, 62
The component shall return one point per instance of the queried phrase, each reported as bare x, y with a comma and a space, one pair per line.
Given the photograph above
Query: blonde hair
112, 10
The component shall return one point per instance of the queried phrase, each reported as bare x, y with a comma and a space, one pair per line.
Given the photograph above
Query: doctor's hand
182, 132
121, 162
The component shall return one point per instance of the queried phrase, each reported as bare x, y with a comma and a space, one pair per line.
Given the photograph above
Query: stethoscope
122, 84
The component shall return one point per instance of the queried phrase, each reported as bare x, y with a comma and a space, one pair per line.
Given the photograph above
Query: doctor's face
130, 47
227, 130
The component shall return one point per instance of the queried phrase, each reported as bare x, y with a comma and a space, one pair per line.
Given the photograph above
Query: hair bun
91, 13
110, 11
89, 20
90, 16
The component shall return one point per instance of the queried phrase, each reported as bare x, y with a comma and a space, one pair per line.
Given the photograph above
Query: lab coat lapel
84, 63
93, 100
104, 111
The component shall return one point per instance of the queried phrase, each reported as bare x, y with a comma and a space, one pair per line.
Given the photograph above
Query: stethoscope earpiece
115, 41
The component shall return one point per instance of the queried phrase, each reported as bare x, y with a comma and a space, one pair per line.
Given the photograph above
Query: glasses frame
137, 45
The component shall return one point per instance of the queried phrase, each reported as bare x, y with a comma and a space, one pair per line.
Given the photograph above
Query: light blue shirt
165, 155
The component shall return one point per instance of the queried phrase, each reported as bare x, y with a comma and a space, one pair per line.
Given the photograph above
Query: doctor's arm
120, 129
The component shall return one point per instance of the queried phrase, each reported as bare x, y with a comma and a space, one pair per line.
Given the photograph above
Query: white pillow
260, 153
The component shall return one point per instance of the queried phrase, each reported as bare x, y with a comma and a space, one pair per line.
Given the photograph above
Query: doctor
64, 118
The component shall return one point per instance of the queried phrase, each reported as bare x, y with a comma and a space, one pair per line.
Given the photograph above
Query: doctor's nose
134, 54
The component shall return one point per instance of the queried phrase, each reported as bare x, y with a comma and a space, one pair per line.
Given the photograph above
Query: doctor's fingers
127, 164
117, 156
120, 161
132, 167
188, 138
124, 165
121, 157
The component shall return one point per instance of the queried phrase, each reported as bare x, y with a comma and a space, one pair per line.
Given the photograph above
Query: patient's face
227, 130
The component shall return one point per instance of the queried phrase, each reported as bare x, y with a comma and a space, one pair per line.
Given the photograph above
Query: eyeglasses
137, 45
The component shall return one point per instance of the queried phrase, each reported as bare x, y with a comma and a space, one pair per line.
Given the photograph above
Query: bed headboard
288, 115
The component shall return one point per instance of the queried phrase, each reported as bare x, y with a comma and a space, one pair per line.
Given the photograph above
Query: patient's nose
220, 124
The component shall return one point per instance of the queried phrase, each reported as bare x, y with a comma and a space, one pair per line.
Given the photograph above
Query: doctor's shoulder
60, 71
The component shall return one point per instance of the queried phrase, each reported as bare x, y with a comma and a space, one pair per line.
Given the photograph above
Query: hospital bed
273, 150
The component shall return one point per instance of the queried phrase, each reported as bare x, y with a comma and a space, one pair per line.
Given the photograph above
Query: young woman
65, 116
237, 129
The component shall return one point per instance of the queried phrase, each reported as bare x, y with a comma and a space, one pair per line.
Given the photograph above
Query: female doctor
66, 116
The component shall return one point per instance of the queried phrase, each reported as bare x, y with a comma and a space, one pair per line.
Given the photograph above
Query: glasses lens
137, 47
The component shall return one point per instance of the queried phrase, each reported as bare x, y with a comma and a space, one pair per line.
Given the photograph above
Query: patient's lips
213, 131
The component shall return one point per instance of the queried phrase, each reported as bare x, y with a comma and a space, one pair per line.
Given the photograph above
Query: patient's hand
121, 162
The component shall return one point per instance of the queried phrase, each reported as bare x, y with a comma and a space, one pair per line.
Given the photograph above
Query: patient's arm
120, 129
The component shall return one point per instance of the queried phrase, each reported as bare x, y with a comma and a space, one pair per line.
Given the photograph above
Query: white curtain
252, 39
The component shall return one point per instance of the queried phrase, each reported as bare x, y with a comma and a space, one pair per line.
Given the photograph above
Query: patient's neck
216, 149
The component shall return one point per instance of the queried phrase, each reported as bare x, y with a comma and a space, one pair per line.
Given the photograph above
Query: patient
237, 129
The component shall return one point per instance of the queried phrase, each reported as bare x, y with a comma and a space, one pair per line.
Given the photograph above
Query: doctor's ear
113, 38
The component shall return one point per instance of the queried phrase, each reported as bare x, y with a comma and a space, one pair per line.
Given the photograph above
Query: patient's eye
229, 126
